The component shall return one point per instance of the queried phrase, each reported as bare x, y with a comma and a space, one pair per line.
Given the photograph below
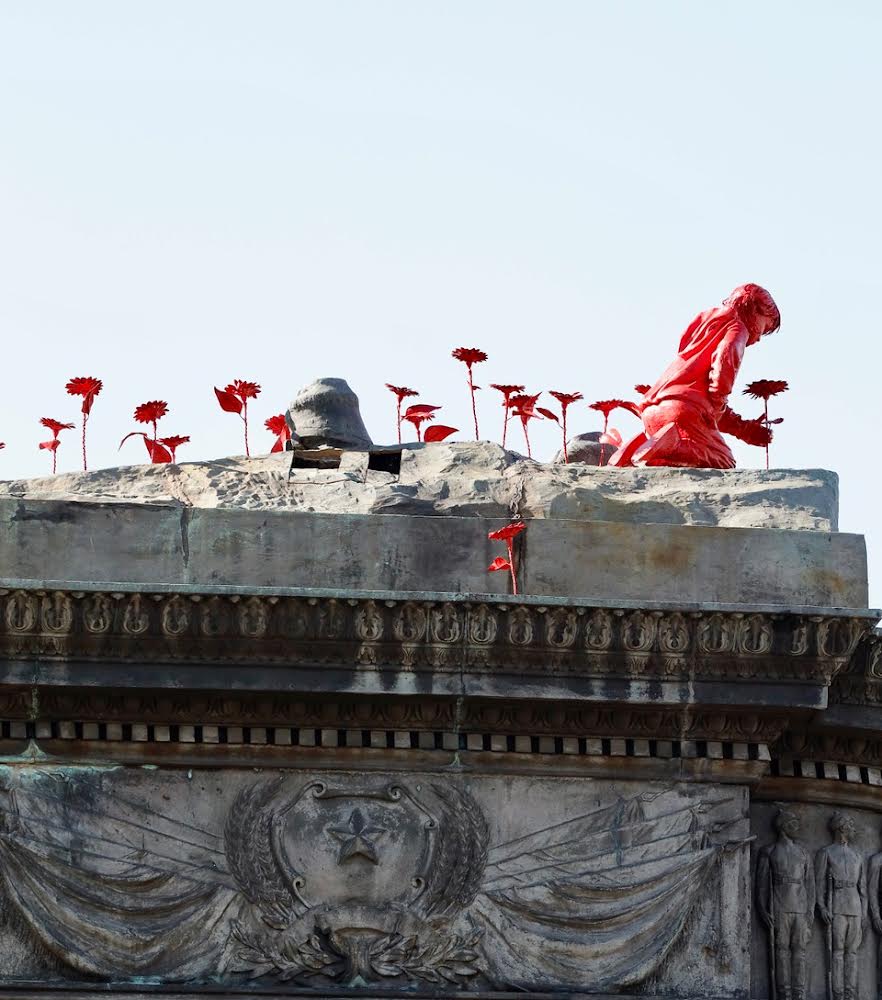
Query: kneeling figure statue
686, 412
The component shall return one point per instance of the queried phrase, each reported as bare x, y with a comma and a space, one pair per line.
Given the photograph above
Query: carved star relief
357, 839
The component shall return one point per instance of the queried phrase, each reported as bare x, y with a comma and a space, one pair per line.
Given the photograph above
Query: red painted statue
686, 412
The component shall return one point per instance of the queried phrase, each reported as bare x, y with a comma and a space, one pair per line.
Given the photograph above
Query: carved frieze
428, 635
370, 880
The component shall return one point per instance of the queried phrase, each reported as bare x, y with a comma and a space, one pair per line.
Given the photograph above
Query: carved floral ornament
432, 634
359, 880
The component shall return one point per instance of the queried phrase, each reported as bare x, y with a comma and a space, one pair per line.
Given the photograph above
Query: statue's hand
826, 915
750, 431
757, 433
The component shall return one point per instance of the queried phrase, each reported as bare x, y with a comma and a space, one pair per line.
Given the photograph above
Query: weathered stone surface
383, 880
467, 479
325, 414
264, 733
155, 544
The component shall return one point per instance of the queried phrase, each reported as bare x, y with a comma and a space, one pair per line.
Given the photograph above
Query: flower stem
245, 419
564, 428
511, 566
474, 410
766, 408
399, 420
505, 421
85, 466
603, 443
526, 437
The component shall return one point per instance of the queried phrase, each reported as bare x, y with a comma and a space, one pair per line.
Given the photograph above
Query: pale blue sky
192, 192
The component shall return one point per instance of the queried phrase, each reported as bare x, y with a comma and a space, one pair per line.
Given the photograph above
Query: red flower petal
439, 432
50, 445
497, 564
765, 388
642, 388
419, 410
547, 413
277, 425
147, 413
566, 398
401, 391
228, 402
244, 390
87, 387
175, 440
507, 391
56, 426
509, 531
606, 406
470, 355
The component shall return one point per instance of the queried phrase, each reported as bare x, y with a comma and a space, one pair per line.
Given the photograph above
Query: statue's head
787, 822
757, 310
841, 823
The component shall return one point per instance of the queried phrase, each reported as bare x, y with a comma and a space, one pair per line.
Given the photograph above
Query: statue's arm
809, 875
725, 363
873, 892
862, 889
821, 885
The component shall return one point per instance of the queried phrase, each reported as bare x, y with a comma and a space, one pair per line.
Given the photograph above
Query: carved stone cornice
435, 637
860, 681
85, 712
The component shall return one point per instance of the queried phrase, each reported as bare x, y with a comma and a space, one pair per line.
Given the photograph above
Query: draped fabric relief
357, 879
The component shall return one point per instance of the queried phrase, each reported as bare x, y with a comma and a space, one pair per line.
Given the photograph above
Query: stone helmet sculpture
325, 414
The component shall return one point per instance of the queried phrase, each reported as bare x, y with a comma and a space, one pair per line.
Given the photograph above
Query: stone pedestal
303, 754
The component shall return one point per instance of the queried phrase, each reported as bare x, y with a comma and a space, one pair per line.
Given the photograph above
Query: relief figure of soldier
785, 898
841, 890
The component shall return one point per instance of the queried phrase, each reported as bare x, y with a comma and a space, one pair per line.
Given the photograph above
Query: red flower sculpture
174, 442
565, 399
507, 392
507, 535
87, 387
606, 406
402, 392
418, 414
524, 406
56, 426
764, 389
151, 413
278, 425
234, 399
471, 356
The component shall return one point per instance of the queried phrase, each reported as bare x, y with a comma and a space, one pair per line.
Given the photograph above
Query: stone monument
273, 729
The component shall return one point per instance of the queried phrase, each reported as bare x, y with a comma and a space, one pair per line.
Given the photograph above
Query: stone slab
467, 479
158, 544
501, 882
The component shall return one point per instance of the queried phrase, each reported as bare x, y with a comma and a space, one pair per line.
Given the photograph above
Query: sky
193, 191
